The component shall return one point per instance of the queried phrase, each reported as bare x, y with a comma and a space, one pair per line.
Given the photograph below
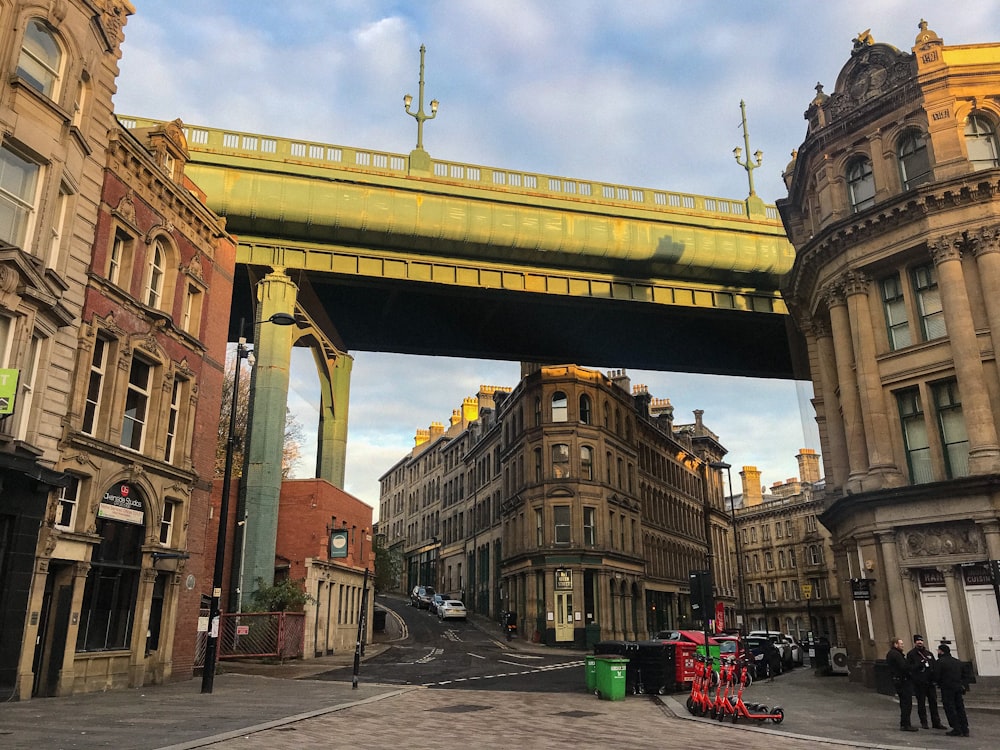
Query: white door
985, 620
564, 616
937, 619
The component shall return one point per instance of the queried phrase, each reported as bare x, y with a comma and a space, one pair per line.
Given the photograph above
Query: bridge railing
297, 151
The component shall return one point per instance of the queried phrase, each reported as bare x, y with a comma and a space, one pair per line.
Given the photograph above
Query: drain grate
461, 708
577, 714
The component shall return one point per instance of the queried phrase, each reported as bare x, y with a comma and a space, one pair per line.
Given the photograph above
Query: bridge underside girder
444, 320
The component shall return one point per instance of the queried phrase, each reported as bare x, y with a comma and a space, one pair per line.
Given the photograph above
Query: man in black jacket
922, 670
948, 676
899, 670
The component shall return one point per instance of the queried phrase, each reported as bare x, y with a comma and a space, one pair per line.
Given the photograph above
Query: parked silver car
451, 609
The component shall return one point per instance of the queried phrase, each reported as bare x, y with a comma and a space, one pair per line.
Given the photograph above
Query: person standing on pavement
899, 670
922, 670
948, 676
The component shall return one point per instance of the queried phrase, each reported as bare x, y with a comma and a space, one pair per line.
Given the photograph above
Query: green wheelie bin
611, 678
590, 662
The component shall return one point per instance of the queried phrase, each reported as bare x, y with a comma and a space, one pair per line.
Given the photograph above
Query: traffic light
702, 603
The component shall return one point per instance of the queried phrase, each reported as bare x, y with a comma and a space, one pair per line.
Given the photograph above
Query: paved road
285, 708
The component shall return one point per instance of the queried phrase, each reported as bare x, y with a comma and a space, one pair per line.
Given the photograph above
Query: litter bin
592, 634
819, 656
590, 663
626, 649
657, 666
883, 678
611, 677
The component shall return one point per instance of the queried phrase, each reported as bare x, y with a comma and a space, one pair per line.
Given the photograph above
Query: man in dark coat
948, 676
899, 670
922, 670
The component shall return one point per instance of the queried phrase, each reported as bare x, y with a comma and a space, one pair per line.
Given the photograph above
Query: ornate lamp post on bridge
420, 159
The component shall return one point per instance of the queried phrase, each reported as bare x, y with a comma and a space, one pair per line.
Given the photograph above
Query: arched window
914, 162
41, 58
860, 184
538, 411
981, 142
585, 415
559, 410
109, 595
560, 461
154, 283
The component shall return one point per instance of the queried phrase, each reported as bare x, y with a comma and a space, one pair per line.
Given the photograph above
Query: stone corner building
894, 213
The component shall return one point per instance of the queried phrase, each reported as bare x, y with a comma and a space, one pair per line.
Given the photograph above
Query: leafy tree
388, 566
283, 596
292, 447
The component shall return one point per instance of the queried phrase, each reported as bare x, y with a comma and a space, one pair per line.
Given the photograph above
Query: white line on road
475, 655
526, 656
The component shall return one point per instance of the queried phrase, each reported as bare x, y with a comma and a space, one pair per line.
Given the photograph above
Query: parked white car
451, 609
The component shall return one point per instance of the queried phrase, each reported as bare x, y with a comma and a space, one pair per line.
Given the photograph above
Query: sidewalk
277, 707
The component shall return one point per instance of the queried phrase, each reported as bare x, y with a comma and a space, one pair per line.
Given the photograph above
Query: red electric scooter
699, 702
752, 711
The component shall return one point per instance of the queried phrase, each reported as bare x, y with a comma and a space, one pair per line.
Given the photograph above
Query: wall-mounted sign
861, 589
977, 574
564, 579
338, 543
122, 503
931, 578
8, 391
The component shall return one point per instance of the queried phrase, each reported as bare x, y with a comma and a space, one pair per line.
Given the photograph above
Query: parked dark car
434, 602
420, 597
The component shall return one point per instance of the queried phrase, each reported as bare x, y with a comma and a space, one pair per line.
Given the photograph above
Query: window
753, 534
539, 528
765, 532
559, 409
951, 424
109, 595
788, 528
768, 561
781, 559
860, 185
585, 415
981, 143
26, 386
560, 461
136, 404
587, 462
929, 302
538, 464
191, 318
173, 419
538, 411
784, 590
40, 58
795, 590
815, 554
777, 529
915, 439
810, 523
154, 282
58, 228
896, 319
18, 194
167, 523
589, 526
66, 511
914, 162
561, 515
95, 386
120, 259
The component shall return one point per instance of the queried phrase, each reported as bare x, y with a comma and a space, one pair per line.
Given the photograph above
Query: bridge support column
276, 293
331, 448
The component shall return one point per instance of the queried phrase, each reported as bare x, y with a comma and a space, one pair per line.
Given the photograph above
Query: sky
644, 93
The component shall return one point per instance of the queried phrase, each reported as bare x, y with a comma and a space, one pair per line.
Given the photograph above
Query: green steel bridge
376, 251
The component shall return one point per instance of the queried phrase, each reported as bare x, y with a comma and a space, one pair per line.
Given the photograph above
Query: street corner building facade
573, 500
894, 213
119, 352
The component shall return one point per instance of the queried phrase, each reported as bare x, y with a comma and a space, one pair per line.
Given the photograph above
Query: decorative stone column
882, 471
986, 247
840, 327
833, 422
984, 449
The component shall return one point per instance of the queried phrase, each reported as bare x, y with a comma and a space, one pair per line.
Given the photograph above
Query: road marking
475, 655
536, 670
512, 663
525, 656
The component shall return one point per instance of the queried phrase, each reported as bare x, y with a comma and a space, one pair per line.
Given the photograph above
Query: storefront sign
338, 543
931, 578
861, 589
121, 503
564, 579
8, 391
977, 574
720, 617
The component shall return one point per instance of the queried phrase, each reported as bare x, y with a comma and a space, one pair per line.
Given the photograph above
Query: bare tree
292, 447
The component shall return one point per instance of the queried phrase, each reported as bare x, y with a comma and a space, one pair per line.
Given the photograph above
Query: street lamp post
736, 538
212, 642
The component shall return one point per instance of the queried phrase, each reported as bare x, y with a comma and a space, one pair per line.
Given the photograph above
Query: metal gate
256, 634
